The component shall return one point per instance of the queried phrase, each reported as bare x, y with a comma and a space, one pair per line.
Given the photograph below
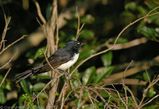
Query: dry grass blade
133, 97
120, 97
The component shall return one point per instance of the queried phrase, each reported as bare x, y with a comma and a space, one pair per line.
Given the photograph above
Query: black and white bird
62, 59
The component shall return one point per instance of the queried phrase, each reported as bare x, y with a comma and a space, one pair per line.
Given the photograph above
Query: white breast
69, 63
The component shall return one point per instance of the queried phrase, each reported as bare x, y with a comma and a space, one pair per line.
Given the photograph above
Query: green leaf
27, 100
41, 77
88, 19
88, 75
87, 34
131, 6
105, 73
152, 3
38, 87
86, 52
40, 53
43, 97
107, 59
148, 32
25, 86
146, 76
154, 20
151, 92
2, 97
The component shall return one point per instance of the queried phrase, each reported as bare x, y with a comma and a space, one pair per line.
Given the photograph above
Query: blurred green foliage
103, 21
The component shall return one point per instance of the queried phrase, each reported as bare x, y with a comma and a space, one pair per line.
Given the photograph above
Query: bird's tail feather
23, 75
27, 73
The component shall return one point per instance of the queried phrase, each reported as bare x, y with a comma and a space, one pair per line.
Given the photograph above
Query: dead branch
131, 82
129, 44
135, 68
51, 32
126, 45
115, 77
39, 12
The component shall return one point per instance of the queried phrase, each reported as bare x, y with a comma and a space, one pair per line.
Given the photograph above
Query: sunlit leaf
86, 52
26, 100
105, 73
2, 97
151, 92
25, 86
40, 53
146, 76
131, 6
148, 32
107, 59
87, 34
88, 75
38, 86
43, 97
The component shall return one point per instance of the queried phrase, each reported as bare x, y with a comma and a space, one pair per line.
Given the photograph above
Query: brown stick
129, 44
51, 32
111, 79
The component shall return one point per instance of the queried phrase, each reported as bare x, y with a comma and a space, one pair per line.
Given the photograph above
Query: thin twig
5, 77
43, 89
120, 97
7, 21
147, 89
39, 12
12, 44
51, 32
79, 27
133, 97
149, 101
123, 83
9, 61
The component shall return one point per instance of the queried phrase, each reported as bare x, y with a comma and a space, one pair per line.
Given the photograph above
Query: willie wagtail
62, 59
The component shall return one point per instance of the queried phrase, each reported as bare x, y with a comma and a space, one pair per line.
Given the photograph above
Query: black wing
59, 57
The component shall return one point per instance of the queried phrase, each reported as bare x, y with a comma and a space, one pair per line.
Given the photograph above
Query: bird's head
73, 45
